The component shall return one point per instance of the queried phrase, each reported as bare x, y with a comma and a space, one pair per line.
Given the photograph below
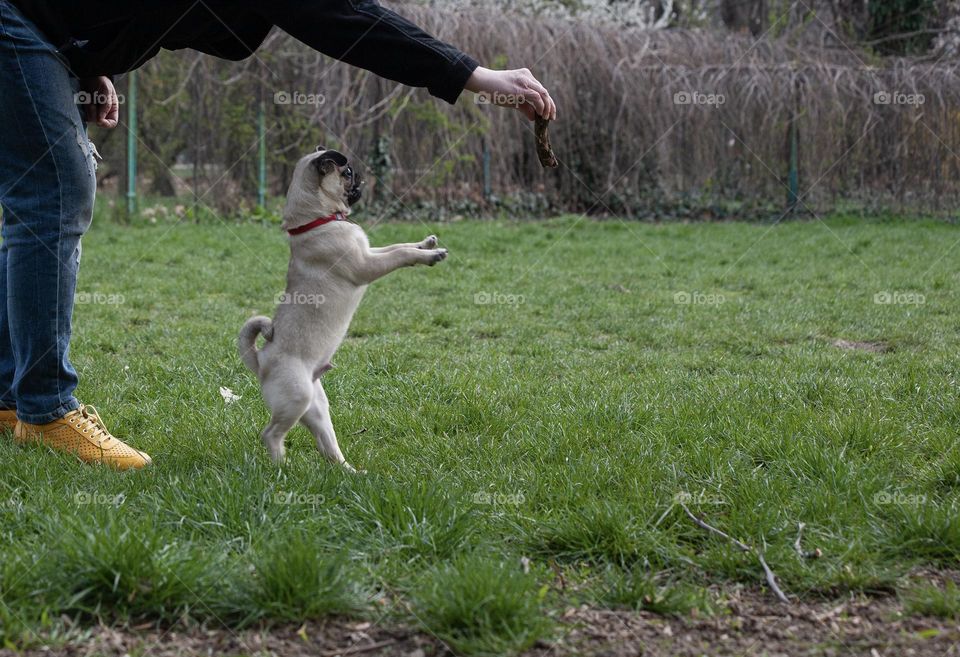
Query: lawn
529, 414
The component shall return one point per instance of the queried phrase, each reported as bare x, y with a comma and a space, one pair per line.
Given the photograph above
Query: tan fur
330, 268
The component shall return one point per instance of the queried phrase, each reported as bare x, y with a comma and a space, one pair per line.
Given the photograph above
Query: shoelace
91, 422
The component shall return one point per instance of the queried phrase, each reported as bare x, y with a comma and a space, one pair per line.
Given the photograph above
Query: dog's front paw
429, 242
437, 256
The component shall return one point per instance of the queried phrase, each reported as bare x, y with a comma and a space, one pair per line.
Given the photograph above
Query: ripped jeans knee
89, 150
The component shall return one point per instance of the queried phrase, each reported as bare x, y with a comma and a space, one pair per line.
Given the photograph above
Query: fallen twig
771, 578
356, 650
813, 554
358, 432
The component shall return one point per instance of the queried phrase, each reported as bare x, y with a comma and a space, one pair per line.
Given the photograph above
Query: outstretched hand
516, 88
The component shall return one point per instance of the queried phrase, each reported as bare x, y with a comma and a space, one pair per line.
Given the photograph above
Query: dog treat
544, 151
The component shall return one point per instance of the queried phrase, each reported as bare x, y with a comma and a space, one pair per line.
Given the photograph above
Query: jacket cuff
451, 85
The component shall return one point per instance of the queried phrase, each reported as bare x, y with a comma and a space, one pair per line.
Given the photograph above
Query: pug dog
331, 265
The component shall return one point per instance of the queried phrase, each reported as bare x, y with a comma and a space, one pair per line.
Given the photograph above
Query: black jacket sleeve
102, 37
364, 34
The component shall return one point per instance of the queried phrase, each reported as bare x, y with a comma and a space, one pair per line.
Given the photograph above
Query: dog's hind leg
317, 420
288, 400
273, 436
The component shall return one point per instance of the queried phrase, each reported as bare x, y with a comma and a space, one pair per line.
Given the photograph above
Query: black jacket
106, 37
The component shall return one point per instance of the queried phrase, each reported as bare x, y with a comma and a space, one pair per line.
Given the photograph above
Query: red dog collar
336, 216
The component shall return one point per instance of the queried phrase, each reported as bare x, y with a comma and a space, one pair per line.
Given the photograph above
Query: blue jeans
47, 187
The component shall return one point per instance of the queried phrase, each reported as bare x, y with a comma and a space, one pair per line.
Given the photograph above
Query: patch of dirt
875, 346
322, 638
751, 624
755, 625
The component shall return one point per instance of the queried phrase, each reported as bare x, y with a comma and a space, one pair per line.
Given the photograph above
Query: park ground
532, 416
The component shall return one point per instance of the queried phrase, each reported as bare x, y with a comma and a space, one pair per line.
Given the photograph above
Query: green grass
540, 394
638, 590
292, 580
931, 600
481, 607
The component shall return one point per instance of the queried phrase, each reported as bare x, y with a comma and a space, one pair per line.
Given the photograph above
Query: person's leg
47, 186
8, 367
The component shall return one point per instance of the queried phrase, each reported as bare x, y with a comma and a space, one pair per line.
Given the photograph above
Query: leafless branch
771, 578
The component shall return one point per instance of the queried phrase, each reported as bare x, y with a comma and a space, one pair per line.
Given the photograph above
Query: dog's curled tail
247, 342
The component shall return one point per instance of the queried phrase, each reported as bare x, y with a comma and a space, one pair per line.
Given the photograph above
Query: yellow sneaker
82, 433
8, 420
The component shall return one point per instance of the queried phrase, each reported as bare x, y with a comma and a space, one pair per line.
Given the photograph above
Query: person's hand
517, 88
100, 101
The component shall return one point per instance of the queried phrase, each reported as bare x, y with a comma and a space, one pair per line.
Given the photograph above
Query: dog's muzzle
353, 192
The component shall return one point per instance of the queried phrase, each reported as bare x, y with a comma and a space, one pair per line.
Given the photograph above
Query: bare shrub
651, 122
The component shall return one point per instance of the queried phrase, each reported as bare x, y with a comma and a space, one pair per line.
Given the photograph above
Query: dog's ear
328, 161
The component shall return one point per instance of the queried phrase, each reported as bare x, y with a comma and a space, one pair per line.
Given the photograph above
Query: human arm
364, 34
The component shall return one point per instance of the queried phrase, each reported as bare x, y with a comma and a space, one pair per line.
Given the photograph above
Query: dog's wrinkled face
335, 175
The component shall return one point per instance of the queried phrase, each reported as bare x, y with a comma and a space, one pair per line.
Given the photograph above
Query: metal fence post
793, 175
131, 143
487, 187
793, 171
262, 156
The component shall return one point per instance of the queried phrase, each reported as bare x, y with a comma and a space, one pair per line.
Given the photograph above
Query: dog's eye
347, 173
